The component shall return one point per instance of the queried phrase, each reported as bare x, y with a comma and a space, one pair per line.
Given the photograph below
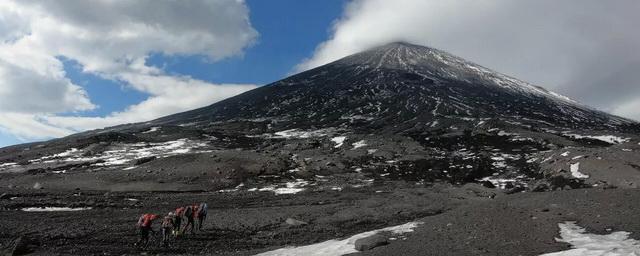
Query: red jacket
180, 211
146, 220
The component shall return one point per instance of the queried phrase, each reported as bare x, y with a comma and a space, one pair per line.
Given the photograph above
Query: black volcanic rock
395, 112
396, 87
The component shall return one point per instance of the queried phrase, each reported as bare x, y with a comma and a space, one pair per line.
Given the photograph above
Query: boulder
540, 186
370, 242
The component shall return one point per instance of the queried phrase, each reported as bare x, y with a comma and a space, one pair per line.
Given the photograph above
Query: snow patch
124, 153
501, 183
339, 141
339, 247
359, 144
583, 243
606, 138
575, 171
54, 209
294, 134
152, 129
8, 165
292, 187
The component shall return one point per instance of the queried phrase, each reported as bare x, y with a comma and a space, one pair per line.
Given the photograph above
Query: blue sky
289, 31
84, 65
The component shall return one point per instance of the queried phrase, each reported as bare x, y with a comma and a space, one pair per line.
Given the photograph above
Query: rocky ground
457, 220
494, 189
424, 152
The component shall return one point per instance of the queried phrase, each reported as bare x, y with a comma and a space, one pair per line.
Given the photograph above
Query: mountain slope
399, 83
399, 111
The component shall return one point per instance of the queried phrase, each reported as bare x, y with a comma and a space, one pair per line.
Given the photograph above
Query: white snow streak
359, 144
54, 209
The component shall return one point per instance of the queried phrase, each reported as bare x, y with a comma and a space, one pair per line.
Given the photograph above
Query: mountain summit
398, 111
400, 86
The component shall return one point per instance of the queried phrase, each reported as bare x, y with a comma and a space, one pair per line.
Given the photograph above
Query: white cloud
582, 48
630, 109
28, 126
112, 39
172, 95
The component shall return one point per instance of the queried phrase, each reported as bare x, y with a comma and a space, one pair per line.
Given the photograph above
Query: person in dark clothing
190, 213
201, 215
168, 225
179, 215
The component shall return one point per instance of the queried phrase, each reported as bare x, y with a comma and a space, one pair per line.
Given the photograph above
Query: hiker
144, 225
179, 214
168, 225
190, 214
202, 215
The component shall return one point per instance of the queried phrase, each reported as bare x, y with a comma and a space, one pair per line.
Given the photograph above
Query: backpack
202, 209
188, 212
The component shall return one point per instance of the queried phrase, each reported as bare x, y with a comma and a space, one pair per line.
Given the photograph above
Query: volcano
423, 101
400, 86
397, 134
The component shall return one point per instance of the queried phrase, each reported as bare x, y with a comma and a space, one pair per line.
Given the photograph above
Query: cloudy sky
71, 65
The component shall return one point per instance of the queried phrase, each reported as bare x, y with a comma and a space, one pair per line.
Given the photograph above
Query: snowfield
586, 244
339, 247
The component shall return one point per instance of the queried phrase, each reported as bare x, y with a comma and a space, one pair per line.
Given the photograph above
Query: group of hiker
193, 215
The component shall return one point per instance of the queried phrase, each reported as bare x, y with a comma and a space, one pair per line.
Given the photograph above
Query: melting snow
606, 138
575, 171
292, 187
583, 243
8, 165
339, 247
295, 133
359, 144
152, 129
565, 153
499, 182
127, 152
54, 209
294, 170
339, 141
233, 189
